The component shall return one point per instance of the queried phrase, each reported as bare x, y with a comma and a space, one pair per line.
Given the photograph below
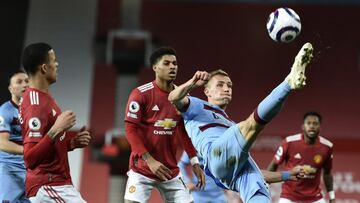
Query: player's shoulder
6, 108
325, 142
145, 87
34, 97
293, 138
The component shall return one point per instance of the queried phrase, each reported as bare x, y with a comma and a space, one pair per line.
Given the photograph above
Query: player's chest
55, 111
160, 108
313, 155
211, 115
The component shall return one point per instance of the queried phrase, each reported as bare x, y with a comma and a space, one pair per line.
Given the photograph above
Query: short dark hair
312, 113
160, 52
15, 73
35, 55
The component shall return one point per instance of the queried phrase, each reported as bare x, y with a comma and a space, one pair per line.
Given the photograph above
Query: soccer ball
283, 25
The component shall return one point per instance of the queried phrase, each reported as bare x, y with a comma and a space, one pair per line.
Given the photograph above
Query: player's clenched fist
82, 139
200, 78
64, 122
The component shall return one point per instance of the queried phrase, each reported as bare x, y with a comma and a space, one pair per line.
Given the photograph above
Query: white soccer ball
283, 25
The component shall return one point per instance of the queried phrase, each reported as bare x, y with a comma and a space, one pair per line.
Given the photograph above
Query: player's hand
297, 173
82, 139
200, 176
157, 168
64, 122
191, 186
200, 78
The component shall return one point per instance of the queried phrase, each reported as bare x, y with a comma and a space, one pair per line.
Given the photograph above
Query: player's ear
43, 68
206, 91
10, 88
154, 68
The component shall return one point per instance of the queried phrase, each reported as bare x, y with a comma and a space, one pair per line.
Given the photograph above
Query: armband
331, 195
194, 161
285, 175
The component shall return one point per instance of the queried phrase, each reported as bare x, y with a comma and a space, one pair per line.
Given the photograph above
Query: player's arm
183, 163
279, 156
5, 144
35, 150
8, 146
134, 136
80, 140
191, 152
178, 96
136, 140
328, 178
329, 184
273, 166
277, 176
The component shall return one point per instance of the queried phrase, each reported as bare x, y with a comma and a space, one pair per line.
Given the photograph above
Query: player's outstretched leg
297, 78
271, 105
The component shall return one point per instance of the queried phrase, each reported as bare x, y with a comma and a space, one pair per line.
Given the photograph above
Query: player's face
52, 67
219, 90
166, 68
311, 127
18, 84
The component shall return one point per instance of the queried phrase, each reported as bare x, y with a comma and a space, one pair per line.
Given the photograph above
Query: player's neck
212, 102
164, 85
39, 83
15, 99
309, 140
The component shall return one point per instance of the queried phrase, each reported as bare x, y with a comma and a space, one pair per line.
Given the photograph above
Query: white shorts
139, 187
57, 194
284, 200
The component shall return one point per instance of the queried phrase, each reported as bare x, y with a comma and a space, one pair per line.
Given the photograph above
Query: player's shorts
57, 194
233, 168
12, 183
226, 155
139, 187
284, 200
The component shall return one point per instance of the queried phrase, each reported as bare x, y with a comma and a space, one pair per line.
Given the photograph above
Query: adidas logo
297, 156
155, 108
53, 112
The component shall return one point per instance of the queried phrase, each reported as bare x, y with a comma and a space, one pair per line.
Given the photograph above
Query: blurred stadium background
102, 46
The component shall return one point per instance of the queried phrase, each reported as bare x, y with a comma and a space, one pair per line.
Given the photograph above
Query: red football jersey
158, 126
38, 112
294, 151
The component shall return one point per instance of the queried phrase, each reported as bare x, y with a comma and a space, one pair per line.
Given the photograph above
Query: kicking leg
272, 104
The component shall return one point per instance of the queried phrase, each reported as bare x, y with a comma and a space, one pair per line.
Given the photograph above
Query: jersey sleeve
135, 107
329, 160
4, 120
36, 117
36, 120
281, 153
194, 108
133, 115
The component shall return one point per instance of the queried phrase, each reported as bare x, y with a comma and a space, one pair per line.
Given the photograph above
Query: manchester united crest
317, 159
132, 189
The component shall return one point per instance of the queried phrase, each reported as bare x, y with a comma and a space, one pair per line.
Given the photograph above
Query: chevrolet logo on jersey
167, 123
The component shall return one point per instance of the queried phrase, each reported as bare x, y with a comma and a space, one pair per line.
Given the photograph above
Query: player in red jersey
314, 153
44, 129
152, 127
